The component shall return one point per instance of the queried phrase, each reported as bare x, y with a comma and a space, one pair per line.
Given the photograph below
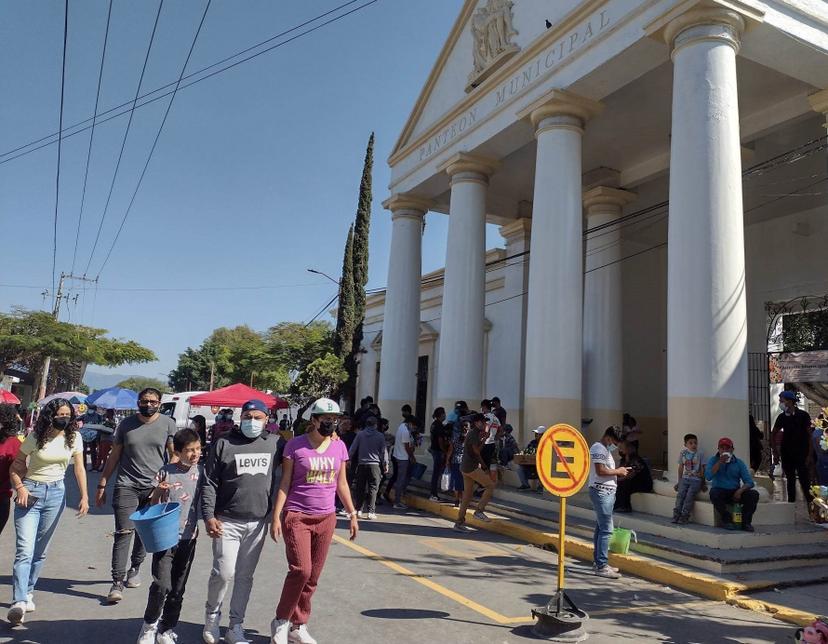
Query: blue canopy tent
114, 398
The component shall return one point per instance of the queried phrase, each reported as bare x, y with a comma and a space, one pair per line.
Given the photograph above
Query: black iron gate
758, 388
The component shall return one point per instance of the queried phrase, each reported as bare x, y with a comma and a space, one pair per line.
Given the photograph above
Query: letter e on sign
562, 460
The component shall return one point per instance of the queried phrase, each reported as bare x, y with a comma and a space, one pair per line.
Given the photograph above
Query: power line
186, 85
57, 172
322, 310
197, 289
157, 136
126, 134
91, 137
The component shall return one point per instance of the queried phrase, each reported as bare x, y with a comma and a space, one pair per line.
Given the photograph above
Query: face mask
326, 428
613, 447
61, 423
251, 427
146, 411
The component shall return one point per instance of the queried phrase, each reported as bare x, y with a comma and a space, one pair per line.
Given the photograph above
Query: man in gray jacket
369, 452
236, 501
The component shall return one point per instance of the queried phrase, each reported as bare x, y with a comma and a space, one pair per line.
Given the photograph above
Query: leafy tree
321, 378
137, 383
28, 337
362, 228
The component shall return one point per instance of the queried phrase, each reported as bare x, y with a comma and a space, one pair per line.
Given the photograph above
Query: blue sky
255, 176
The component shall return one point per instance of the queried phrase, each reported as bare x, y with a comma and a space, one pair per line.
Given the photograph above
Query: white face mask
252, 428
612, 447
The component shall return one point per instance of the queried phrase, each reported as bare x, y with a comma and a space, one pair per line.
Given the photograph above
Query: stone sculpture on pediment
492, 31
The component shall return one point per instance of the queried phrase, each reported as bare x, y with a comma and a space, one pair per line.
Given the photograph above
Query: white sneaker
461, 527
133, 578
372, 516
608, 572
167, 637
30, 605
148, 633
300, 635
433, 498
211, 633
279, 630
360, 514
16, 613
481, 516
235, 635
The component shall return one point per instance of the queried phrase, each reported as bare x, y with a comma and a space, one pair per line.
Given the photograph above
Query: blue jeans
688, 488
35, 527
603, 502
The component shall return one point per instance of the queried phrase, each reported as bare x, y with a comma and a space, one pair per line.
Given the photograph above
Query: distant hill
103, 380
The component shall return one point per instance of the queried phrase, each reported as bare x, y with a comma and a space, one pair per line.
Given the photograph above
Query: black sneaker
747, 527
523, 487
116, 593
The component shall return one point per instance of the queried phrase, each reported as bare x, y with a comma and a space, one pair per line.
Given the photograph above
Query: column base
391, 410
601, 419
709, 419
550, 411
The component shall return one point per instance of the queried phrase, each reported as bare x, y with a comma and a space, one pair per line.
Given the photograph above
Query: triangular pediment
486, 34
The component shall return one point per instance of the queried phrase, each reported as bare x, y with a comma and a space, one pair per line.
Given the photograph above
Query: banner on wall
800, 366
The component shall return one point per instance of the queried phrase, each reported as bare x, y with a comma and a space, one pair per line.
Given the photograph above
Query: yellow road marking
482, 549
445, 592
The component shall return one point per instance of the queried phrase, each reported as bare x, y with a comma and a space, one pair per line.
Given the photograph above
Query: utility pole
59, 296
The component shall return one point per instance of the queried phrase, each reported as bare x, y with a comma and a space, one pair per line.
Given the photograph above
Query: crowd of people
245, 480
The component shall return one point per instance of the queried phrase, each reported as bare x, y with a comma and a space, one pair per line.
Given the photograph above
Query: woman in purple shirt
313, 473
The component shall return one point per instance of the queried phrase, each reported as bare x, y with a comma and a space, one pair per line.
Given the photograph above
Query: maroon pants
307, 539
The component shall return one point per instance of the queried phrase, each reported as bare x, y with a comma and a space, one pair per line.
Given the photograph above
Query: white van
177, 406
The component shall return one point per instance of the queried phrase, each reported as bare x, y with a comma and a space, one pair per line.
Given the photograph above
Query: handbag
445, 481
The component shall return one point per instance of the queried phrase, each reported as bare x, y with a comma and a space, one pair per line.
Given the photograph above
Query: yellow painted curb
662, 572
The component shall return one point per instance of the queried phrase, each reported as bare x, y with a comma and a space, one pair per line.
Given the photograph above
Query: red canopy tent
235, 396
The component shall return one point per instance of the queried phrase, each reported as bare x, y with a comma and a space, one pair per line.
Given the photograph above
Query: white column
460, 363
554, 316
602, 357
401, 323
511, 368
706, 314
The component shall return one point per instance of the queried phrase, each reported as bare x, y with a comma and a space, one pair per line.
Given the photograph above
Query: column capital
561, 108
603, 199
819, 103
475, 166
705, 21
411, 205
521, 227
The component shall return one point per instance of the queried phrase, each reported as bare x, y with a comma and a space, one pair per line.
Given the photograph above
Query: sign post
563, 463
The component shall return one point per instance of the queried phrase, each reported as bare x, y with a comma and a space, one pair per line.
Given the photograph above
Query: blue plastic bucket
157, 525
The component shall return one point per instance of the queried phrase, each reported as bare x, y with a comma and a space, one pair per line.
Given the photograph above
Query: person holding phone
41, 495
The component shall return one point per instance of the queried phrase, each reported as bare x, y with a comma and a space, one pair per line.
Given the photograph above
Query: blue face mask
251, 427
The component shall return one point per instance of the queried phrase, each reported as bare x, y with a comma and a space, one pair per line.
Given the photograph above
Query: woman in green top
41, 496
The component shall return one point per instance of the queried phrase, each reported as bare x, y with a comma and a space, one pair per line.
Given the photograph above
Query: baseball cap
540, 429
255, 405
725, 442
788, 395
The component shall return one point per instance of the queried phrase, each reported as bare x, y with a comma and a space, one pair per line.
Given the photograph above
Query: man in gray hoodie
236, 501
371, 455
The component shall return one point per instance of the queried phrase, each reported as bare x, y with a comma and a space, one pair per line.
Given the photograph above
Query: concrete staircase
776, 554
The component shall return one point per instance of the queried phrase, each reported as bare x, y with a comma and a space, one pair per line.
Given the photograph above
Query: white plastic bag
445, 481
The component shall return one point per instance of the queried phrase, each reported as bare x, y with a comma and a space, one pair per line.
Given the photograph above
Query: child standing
175, 483
690, 479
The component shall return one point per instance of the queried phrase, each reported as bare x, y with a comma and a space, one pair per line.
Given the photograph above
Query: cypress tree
362, 227
344, 334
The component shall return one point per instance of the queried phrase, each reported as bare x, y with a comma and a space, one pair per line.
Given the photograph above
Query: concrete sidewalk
790, 604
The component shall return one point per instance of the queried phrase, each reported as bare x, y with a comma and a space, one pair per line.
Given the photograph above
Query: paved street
409, 578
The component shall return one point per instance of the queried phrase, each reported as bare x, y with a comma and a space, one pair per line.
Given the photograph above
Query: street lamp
313, 270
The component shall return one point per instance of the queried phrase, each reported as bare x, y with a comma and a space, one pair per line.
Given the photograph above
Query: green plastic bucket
620, 540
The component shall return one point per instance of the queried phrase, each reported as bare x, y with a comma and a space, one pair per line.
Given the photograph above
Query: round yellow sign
562, 460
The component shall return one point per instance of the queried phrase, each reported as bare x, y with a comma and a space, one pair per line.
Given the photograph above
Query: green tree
137, 383
362, 229
28, 337
344, 334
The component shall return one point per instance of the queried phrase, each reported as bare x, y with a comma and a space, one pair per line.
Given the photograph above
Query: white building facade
657, 169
